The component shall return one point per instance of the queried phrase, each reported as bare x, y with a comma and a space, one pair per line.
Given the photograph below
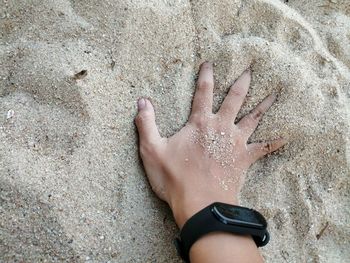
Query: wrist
183, 210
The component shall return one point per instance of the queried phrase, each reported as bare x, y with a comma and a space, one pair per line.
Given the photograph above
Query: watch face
236, 215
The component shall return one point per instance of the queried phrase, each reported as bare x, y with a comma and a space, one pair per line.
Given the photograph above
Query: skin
184, 171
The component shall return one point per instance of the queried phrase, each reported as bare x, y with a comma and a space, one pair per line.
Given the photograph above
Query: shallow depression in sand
42, 128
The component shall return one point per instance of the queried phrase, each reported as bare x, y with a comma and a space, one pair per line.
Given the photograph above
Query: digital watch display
237, 215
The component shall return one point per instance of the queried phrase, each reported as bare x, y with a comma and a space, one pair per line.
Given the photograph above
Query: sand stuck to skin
72, 187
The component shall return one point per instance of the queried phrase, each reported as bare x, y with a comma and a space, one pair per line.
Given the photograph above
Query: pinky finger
259, 150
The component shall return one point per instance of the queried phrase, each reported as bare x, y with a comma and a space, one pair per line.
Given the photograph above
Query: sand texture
72, 187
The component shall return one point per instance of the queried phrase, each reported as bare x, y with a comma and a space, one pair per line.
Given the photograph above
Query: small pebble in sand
10, 114
31, 143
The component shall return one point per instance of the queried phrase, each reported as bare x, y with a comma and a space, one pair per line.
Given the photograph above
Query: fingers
259, 150
203, 98
236, 96
249, 123
145, 122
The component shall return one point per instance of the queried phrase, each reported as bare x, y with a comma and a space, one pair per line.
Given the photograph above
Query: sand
72, 184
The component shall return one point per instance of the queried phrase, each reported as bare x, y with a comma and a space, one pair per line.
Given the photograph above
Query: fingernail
141, 104
207, 63
284, 141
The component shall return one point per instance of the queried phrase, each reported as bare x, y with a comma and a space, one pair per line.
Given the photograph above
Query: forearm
225, 247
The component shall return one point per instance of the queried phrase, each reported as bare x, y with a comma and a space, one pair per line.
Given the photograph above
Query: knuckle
142, 118
257, 113
267, 147
204, 84
138, 119
200, 121
237, 91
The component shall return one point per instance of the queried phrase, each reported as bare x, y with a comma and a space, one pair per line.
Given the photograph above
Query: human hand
206, 160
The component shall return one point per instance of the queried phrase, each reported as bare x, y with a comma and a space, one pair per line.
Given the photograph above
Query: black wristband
210, 220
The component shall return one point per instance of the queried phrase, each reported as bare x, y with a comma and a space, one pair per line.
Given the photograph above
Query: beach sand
72, 187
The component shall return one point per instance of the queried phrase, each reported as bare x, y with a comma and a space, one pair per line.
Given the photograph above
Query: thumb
146, 123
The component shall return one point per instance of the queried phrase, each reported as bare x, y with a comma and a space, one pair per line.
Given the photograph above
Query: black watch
224, 218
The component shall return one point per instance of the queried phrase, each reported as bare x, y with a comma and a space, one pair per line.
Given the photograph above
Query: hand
206, 160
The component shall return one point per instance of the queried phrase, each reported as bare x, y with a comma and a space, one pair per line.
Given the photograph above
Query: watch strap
204, 222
